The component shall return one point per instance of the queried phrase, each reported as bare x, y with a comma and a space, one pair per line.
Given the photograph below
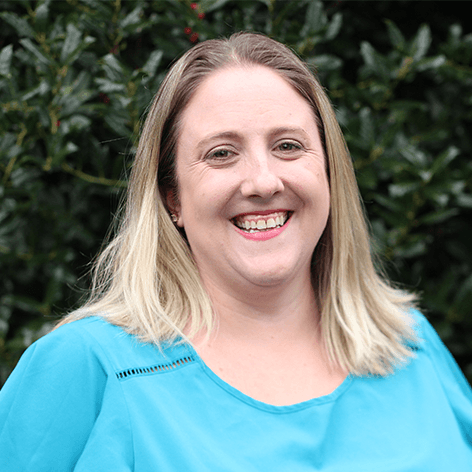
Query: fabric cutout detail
155, 369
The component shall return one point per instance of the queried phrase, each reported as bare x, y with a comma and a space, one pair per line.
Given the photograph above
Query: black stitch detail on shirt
155, 369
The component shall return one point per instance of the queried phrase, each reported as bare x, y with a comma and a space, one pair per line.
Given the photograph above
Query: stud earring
173, 217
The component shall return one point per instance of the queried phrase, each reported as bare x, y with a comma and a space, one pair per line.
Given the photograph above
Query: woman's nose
261, 179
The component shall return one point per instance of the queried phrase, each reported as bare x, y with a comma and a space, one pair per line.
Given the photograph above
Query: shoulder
426, 335
84, 341
428, 341
431, 349
59, 385
94, 341
67, 358
89, 332
84, 351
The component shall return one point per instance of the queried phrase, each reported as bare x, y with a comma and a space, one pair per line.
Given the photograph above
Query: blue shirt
89, 397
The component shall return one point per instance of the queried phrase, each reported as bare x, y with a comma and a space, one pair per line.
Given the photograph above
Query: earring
173, 217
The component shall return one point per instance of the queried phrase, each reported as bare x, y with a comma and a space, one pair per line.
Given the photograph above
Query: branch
92, 178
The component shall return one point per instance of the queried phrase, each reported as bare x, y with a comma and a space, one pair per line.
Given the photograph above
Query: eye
221, 154
289, 147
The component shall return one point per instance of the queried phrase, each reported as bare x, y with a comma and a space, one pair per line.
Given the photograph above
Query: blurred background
77, 76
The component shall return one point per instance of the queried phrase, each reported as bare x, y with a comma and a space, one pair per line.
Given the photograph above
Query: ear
174, 207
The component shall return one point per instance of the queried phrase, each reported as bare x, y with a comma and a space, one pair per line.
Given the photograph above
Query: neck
263, 316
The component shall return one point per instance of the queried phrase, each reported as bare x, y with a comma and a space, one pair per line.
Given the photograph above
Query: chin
275, 277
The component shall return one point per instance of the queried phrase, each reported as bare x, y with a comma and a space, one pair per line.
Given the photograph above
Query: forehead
245, 97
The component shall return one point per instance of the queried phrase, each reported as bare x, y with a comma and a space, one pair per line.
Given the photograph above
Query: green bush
76, 78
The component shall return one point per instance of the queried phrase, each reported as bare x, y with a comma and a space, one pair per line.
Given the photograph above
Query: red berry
194, 6
201, 16
194, 38
187, 30
104, 97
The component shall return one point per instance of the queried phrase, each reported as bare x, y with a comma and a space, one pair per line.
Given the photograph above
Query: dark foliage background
76, 77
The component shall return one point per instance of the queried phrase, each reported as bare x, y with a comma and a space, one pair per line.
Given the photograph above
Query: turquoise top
89, 397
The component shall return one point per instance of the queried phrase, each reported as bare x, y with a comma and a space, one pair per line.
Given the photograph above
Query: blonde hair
146, 281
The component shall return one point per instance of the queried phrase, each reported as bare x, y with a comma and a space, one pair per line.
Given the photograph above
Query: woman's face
253, 191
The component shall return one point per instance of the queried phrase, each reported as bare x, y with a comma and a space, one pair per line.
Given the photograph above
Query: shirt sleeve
455, 385
50, 403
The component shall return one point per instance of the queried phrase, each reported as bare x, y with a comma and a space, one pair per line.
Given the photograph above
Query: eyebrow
223, 135
234, 135
285, 129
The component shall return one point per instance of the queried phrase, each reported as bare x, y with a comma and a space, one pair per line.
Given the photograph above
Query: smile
260, 223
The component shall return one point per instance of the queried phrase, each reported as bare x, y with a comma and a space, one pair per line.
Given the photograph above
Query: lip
263, 235
261, 213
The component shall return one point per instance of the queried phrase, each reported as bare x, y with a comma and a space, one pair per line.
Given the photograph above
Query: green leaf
80, 122
389, 203
152, 63
403, 188
71, 147
41, 89
431, 63
132, 18
421, 43
444, 159
212, 5
368, 54
41, 15
20, 24
118, 126
81, 82
27, 44
107, 86
413, 248
71, 43
367, 126
457, 187
5, 60
113, 68
315, 19
374, 61
325, 62
396, 37
414, 155
25, 303
438, 216
465, 200
334, 26
13, 151
7, 140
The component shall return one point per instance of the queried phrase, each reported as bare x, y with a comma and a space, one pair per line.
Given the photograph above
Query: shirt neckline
280, 409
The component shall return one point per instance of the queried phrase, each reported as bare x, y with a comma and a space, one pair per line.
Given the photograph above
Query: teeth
262, 224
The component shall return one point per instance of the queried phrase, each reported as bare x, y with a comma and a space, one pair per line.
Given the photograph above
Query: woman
236, 321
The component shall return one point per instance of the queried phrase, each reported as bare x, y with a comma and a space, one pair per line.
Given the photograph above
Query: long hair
146, 281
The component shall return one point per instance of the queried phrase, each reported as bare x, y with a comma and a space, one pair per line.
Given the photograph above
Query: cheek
312, 183
203, 196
